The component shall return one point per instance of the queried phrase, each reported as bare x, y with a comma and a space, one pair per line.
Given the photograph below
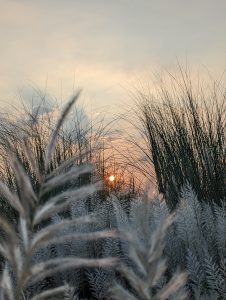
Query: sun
111, 178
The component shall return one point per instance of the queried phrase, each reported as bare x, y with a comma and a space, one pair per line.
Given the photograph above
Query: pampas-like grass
144, 268
200, 236
19, 245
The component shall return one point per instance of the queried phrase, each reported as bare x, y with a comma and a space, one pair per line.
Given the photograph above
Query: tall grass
185, 129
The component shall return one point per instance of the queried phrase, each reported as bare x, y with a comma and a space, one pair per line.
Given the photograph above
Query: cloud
101, 45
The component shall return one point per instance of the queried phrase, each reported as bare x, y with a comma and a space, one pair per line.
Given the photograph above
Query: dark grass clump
185, 130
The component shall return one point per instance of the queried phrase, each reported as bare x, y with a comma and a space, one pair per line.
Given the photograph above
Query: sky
104, 46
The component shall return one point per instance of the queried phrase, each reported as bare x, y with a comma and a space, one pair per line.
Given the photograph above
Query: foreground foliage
33, 232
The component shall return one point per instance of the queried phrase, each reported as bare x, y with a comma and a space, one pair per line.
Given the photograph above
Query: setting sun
111, 178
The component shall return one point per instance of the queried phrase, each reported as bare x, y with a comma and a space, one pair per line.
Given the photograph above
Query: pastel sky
104, 46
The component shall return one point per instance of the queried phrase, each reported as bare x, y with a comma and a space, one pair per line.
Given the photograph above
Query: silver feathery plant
197, 244
144, 265
35, 231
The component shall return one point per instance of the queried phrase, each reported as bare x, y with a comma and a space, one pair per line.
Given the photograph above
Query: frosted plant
152, 245
100, 279
22, 248
143, 270
198, 244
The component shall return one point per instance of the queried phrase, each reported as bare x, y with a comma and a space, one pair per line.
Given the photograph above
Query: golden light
111, 178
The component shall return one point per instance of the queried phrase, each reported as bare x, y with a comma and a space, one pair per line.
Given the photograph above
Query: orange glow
111, 178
